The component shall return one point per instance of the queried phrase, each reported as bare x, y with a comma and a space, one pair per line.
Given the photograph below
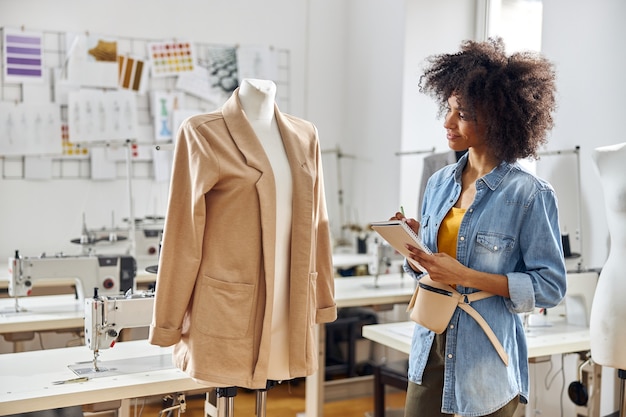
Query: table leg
124, 410
314, 389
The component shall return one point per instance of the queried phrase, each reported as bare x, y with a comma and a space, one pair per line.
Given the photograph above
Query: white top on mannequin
257, 100
608, 311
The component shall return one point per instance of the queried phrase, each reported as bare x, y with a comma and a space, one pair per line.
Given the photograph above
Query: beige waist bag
433, 305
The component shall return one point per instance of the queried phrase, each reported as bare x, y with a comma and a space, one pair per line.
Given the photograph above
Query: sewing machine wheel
577, 392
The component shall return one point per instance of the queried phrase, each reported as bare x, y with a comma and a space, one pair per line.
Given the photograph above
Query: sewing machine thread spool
567, 250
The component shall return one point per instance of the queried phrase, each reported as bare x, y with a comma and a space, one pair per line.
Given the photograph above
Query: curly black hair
514, 96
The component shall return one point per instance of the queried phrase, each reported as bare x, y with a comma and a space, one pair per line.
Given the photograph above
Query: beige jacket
215, 276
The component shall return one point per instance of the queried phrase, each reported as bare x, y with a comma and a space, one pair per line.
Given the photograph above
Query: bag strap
465, 306
464, 301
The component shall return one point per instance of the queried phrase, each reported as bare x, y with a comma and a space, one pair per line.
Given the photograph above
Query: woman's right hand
413, 224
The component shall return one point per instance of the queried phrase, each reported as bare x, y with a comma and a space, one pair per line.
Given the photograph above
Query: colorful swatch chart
171, 58
23, 56
71, 149
131, 73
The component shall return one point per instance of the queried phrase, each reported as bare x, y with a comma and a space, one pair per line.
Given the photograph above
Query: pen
69, 381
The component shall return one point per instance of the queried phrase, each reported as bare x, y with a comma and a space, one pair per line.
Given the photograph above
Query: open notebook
397, 233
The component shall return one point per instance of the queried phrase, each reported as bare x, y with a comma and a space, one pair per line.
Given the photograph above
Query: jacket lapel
243, 135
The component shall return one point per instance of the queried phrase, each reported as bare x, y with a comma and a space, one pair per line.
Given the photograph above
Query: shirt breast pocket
494, 249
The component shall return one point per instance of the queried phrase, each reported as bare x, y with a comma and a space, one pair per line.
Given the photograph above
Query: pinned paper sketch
171, 58
162, 105
133, 73
162, 164
215, 78
30, 129
256, 62
23, 56
198, 83
92, 60
222, 66
102, 116
102, 50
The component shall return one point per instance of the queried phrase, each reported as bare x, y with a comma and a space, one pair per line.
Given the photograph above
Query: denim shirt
511, 228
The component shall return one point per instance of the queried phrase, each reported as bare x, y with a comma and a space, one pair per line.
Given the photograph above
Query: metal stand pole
621, 373
261, 398
226, 401
261, 403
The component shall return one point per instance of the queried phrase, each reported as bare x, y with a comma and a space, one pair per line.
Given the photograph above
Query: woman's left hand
440, 266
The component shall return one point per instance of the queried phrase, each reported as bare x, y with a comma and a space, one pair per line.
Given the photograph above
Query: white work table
556, 339
367, 290
26, 383
41, 313
63, 311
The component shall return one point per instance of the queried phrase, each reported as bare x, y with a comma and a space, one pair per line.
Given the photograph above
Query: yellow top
449, 231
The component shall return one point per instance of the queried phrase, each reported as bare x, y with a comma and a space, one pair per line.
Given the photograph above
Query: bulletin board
81, 105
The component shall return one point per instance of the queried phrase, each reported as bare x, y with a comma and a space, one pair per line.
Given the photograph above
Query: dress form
257, 98
607, 331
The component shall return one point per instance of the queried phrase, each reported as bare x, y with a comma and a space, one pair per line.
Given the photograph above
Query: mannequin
245, 269
257, 100
608, 311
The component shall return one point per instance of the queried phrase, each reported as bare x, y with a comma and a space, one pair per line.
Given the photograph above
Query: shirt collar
492, 180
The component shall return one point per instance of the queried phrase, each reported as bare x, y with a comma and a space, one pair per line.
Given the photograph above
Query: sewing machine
111, 274
383, 257
106, 316
144, 245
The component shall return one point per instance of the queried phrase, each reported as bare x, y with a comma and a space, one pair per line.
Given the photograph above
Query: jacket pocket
223, 309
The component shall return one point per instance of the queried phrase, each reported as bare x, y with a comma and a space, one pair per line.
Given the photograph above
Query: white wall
375, 35
431, 28
590, 64
44, 216
590, 61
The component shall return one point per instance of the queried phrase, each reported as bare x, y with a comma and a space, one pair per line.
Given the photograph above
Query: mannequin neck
257, 98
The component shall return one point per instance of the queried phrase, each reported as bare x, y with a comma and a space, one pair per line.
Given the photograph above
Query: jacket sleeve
327, 309
181, 248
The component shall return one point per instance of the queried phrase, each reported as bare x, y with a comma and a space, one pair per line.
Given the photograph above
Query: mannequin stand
261, 398
225, 401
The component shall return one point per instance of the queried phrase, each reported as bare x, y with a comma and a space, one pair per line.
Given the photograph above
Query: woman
492, 226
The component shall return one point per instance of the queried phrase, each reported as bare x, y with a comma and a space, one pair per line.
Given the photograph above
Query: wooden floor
284, 400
